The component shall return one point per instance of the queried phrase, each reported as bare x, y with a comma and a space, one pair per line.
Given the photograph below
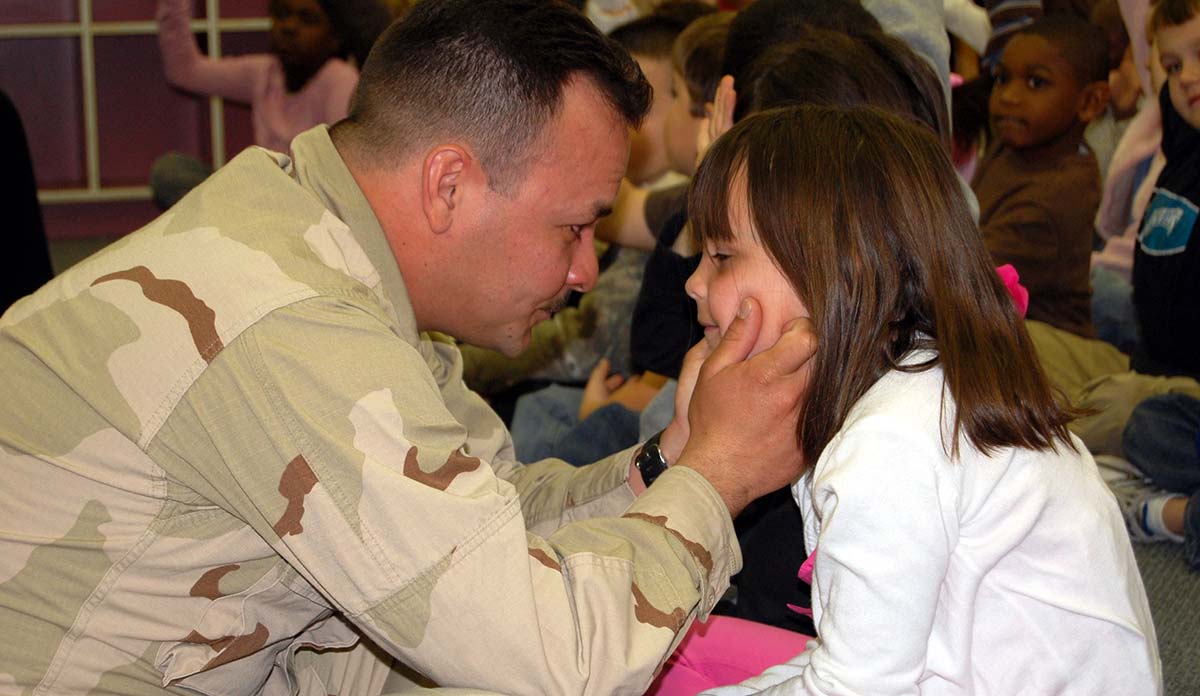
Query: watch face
651, 462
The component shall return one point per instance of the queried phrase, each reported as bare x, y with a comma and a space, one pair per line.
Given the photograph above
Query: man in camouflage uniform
228, 451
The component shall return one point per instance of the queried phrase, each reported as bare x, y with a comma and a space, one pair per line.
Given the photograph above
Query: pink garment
724, 651
256, 80
805, 573
1121, 207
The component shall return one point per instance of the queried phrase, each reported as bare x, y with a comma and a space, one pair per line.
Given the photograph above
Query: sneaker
1132, 491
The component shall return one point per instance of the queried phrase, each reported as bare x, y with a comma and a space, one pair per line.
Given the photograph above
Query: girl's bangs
708, 196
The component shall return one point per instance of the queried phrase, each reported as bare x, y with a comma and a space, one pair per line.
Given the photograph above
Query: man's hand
744, 412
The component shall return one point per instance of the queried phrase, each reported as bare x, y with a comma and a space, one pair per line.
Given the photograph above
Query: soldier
230, 452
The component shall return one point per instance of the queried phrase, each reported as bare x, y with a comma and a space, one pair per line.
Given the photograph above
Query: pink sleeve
1140, 142
342, 79
237, 79
1135, 13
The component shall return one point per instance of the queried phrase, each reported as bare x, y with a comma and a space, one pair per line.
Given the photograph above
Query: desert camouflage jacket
222, 439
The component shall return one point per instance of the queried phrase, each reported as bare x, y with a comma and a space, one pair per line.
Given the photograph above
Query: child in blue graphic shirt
1166, 267
1162, 437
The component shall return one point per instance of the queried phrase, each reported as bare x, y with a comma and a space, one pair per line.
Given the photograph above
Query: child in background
639, 212
650, 40
963, 541
307, 78
1124, 89
695, 71
1136, 164
1162, 437
663, 318
1166, 266
1039, 185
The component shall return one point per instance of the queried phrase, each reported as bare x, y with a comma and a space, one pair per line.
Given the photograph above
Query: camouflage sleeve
552, 491
330, 436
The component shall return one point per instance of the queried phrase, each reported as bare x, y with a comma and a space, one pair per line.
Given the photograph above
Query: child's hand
719, 119
599, 388
603, 389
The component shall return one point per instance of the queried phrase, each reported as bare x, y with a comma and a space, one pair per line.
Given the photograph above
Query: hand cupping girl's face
735, 269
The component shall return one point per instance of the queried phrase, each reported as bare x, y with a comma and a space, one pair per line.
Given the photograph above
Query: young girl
963, 540
316, 48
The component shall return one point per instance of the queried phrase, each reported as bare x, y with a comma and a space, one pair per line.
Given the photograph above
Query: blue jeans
658, 413
1112, 309
546, 424
1162, 438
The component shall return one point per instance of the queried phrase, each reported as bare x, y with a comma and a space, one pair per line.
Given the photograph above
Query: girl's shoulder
911, 399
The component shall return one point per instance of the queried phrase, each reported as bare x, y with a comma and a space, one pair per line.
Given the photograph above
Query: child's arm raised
187, 68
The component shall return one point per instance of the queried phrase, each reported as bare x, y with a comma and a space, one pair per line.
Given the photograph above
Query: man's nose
584, 266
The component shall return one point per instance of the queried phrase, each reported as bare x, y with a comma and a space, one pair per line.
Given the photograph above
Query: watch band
650, 460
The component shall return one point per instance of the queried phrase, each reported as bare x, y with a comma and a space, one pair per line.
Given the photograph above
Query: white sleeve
969, 22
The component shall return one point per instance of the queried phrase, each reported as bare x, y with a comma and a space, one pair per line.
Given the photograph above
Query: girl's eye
719, 258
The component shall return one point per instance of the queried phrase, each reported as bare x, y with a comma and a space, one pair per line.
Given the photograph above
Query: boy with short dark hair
649, 40
695, 71
1166, 265
1039, 186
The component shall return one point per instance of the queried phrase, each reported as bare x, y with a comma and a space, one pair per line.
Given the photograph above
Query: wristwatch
650, 460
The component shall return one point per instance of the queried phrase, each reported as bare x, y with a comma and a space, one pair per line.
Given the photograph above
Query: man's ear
1093, 101
441, 179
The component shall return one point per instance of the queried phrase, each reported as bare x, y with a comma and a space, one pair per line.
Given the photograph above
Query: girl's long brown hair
863, 213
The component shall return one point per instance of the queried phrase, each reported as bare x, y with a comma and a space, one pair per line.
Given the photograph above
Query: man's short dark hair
1082, 44
490, 73
765, 23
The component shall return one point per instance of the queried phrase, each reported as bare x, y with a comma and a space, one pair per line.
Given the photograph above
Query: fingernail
744, 309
